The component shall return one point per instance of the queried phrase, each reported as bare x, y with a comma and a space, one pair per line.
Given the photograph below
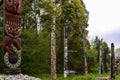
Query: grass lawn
75, 77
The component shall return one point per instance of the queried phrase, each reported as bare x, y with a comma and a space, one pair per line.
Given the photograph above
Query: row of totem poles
12, 40
103, 61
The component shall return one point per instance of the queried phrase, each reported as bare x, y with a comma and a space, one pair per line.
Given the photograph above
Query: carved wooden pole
53, 54
65, 52
100, 58
12, 40
106, 60
53, 49
66, 46
112, 61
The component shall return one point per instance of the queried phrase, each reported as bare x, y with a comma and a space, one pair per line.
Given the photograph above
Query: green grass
75, 77
48, 77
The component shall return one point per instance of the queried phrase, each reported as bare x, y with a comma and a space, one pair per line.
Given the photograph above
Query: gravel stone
17, 77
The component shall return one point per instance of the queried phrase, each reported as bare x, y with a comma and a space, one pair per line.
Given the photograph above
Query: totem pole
100, 58
53, 48
85, 53
66, 72
65, 52
106, 60
112, 61
12, 40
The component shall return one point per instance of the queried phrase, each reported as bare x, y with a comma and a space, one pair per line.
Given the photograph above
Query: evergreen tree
38, 15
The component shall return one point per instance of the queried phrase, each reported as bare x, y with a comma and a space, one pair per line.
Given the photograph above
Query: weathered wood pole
106, 60
53, 47
100, 58
112, 61
85, 53
65, 52
53, 54
66, 46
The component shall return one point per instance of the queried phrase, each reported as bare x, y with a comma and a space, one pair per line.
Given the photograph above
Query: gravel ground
18, 77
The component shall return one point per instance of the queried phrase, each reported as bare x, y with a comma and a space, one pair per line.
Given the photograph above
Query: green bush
35, 52
86, 77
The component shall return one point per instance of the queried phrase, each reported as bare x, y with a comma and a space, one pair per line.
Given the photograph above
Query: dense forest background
37, 22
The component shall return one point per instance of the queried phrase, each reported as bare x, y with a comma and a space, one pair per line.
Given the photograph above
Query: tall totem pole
112, 61
65, 52
85, 52
100, 58
105, 60
12, 40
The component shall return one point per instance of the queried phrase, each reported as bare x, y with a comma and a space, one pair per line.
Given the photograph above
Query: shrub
85, 77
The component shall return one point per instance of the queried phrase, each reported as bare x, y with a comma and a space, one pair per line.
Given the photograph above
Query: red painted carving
8, 41
13, 5
12, 26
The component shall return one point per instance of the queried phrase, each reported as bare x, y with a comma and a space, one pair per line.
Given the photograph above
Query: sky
104, 20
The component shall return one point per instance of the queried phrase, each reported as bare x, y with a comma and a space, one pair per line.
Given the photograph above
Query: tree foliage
36, 52
94, 52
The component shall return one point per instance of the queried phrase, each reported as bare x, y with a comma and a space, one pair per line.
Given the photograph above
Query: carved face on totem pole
13, 5
13, 18
12, 31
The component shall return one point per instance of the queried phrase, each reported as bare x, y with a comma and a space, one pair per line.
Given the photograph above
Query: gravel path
18, 77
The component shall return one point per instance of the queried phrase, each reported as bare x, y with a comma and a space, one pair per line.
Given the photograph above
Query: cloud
113, 37
104, 20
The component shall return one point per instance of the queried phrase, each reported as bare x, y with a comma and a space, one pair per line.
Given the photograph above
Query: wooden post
85, 57
112, 61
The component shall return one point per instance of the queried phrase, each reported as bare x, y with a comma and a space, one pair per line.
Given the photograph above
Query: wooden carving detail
13, 6
12, 31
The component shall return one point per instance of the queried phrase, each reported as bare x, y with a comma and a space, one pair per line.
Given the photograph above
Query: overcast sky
104, 20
